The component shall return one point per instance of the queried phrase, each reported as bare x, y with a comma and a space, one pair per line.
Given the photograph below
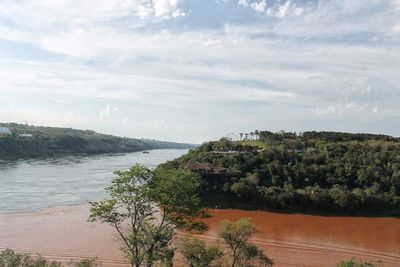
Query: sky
196, 70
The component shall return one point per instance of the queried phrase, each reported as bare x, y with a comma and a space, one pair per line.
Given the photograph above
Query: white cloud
155, 125
259, 6
105, 114
125, 122
244, 3
287, 9
163, 9
283, 10
341, 109
317, 59
47, 15
277, 10
166, 7
38, 116
298, 11
178, 13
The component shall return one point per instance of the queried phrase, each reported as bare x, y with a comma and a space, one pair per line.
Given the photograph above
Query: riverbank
35, 142
229, 202
63, 233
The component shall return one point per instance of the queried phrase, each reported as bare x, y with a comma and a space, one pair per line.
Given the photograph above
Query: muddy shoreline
63, 233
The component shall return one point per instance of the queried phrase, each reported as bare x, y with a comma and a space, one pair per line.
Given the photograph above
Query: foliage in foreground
9, 258
236, 251
236, 235
354, 263
197, 254
146, 208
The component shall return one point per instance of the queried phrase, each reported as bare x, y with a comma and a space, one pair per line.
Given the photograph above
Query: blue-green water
34, 184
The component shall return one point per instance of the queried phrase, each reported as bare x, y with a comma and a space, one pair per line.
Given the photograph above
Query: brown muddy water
308, 240
64, 233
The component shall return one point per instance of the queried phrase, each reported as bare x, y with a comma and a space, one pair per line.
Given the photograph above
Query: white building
4, 131
25, 135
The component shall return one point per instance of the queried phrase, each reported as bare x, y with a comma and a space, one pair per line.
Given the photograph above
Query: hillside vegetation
51, 141
315, 172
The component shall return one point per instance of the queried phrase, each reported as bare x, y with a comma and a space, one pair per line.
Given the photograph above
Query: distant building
4, 131
198, 167
25, 135
219, 170
202, 168
214, 175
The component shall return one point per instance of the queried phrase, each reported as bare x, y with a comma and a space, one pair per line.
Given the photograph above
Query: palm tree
252, 135
241, 136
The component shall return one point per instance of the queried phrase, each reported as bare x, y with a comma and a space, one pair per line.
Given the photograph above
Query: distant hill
324, 172
37, 141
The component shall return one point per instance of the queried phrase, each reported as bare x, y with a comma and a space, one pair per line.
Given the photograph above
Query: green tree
315, 171
243, 254
240, 189
146, 208
197, 254
8, 258
90, 262
354, 263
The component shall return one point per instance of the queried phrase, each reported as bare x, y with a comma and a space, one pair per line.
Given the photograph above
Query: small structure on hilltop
4, 131
219, 170
202, 168
214, 176
198, 167
250, 136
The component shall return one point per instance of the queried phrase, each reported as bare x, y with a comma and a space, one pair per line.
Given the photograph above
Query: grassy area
255, 143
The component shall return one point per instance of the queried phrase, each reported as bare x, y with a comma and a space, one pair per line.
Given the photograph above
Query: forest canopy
329, 172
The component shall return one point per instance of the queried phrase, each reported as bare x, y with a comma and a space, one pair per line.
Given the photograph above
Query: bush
9, 258
354, 263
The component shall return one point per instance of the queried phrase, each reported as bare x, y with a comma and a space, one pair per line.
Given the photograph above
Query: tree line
312, 171
54, 141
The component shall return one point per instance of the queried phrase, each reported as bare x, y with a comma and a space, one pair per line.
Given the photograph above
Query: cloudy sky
194, 70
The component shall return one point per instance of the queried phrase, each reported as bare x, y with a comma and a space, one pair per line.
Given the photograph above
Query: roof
204, 168
4, 130
219, 169
197, 166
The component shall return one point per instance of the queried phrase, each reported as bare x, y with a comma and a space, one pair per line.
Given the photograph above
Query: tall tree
146, 208
252, 135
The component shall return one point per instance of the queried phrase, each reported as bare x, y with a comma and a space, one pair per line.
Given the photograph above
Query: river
33, 184
43, 196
